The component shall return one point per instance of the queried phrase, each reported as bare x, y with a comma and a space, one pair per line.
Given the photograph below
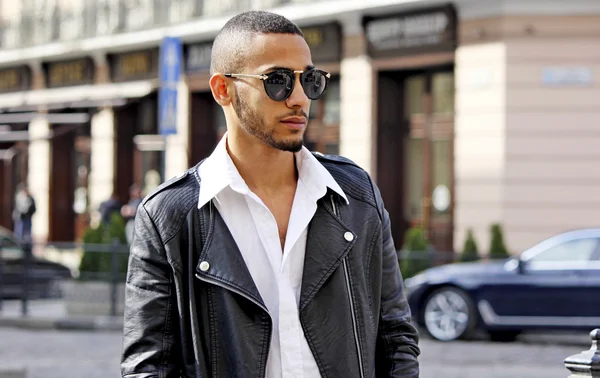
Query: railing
39, 22
24, 276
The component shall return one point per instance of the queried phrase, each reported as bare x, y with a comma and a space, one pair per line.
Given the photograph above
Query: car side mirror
521, 266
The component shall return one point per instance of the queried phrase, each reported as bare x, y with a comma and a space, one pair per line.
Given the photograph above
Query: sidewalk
52, 314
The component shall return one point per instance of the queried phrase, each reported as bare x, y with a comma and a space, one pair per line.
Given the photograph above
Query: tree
497, 247
470, 251
416, 249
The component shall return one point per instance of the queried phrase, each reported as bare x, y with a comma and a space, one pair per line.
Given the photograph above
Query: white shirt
276, 273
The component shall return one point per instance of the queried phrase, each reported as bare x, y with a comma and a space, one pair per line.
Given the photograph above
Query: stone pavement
91, 354
52, 314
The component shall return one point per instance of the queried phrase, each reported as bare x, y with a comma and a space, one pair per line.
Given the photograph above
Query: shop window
442, 88
416, 178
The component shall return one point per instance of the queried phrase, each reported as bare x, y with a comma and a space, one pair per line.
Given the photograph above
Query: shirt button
204, 266
349, 236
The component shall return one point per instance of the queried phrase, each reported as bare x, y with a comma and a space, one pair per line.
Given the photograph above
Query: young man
264, 260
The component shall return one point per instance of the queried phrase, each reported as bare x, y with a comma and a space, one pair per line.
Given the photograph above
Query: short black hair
229, 47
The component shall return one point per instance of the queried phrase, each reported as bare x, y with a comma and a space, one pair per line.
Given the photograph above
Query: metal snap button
204, 266
349, 236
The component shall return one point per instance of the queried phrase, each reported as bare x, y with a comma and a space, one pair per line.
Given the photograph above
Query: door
207, 126
429, 163
549, 289
323, 132
62, 184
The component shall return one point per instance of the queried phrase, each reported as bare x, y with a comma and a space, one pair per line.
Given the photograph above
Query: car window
10, 249
578, 250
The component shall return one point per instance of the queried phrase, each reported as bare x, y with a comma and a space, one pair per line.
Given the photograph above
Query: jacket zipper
348, 287
238, 292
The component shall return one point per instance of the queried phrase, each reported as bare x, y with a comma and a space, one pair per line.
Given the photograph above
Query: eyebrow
275, 68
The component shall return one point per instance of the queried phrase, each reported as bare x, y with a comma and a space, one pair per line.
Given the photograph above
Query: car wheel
449, 314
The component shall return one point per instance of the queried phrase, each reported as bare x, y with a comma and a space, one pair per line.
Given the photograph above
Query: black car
554, 285
42, 275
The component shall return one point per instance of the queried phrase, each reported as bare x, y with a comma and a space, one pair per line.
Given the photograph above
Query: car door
589, 309
555, 281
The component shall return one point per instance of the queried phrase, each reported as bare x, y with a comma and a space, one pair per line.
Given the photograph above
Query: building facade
466, 113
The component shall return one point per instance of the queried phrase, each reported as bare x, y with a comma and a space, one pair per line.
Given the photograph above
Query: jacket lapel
327, 245
221, 262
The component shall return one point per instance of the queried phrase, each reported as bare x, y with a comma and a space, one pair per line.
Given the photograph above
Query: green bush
497, 247
96, 260
470, 251
416, 253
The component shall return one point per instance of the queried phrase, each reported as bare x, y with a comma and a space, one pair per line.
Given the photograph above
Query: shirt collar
218, 172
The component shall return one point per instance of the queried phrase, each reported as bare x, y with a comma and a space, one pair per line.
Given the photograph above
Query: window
578, 250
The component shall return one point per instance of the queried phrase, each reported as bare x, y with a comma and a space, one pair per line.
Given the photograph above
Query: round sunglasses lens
314, 83
279, 86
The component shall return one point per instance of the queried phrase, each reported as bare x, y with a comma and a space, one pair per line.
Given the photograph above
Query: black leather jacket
184, 321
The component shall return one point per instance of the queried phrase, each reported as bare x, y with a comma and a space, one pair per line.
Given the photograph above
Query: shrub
497, 247
470, 251
416, 250
97, 255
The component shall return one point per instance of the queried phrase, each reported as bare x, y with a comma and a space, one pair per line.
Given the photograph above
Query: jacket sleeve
150, 346
397, 344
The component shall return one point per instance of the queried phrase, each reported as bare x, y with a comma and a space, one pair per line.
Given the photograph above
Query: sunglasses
279, 84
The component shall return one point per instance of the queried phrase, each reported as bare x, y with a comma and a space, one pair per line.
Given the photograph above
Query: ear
220, 89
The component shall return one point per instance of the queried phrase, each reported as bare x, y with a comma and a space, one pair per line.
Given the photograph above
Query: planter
92, 297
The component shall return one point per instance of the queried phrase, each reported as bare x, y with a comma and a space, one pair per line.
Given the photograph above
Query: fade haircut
229, 50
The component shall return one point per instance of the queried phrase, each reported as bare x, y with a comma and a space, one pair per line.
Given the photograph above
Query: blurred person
265, 260
109, 207
129, 210
24, 209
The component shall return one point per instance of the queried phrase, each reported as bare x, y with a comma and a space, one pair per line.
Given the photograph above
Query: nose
298, 97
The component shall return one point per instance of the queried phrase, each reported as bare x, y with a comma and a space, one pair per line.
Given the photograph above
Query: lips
294, 120
294, 123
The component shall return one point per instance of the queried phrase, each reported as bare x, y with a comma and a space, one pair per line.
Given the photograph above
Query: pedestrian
266, 260
109, 207
23, 211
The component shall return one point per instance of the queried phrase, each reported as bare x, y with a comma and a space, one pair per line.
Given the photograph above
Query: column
480, 138
101, 179
176, 153
38, 179
356, 108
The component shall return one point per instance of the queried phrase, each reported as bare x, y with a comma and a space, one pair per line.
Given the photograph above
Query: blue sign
169, 75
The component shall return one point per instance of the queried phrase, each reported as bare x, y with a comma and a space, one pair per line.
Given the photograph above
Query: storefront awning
93, 95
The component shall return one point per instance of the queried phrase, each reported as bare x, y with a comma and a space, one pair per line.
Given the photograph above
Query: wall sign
325, 42
15, 79
67, 73
135, 65
197, 57
567, 76
416, 32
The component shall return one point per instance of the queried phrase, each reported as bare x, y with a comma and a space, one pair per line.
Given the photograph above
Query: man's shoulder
171, 201
353, 179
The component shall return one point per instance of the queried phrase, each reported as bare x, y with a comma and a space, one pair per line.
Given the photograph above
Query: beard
254, 125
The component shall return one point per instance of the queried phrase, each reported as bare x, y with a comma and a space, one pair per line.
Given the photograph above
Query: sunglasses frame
264, 78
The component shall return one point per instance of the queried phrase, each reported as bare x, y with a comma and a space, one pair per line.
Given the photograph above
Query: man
23, 213
109, 207
264, 260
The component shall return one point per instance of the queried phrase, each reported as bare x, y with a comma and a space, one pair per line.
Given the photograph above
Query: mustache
300, 113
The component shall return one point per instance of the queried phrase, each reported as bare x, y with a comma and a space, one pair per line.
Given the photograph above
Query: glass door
429, 109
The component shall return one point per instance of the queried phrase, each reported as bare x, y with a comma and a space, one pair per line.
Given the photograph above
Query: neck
262, 167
